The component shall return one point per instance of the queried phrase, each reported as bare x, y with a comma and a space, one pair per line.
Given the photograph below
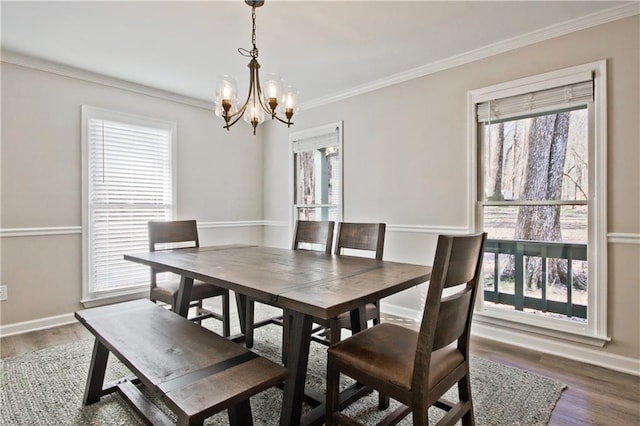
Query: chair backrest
313, 232
458, 262
361, 236
177, 231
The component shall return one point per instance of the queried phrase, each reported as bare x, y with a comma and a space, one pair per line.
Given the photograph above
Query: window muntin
128, 181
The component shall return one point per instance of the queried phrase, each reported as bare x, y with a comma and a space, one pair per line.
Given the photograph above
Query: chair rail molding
67, 230
612, 237
40, 231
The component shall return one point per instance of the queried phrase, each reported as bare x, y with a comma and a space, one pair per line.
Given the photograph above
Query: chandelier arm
288, 123
237, 115
264, 106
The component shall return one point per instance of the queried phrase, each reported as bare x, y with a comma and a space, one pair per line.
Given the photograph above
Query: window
127, 181
540, 145
317, 173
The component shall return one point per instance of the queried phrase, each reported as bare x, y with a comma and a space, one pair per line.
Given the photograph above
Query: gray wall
219, 181
405, 158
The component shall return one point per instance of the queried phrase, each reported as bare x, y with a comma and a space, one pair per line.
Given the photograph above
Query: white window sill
579, 335
115, 297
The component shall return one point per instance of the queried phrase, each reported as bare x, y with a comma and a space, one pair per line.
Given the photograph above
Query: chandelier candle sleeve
272, 101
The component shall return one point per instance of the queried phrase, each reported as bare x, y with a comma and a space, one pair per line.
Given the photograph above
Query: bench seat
196, 372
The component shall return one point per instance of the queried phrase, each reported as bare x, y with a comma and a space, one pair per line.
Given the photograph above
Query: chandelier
273, 101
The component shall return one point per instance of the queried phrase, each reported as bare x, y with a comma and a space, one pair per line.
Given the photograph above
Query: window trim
309, 134
595, 331
95, 298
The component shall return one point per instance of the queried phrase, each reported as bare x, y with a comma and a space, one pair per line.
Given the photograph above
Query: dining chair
359, 238
307, 235
176, 235
417, 367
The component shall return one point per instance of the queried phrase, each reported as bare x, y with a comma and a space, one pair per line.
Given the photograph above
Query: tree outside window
535, 190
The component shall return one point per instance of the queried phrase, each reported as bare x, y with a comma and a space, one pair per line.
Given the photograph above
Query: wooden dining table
306, 283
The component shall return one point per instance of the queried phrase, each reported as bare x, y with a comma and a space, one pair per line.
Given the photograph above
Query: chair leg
334, 330
198, 310
226, 317
383, 401
420, 415
376, 319
464, 392
248, 323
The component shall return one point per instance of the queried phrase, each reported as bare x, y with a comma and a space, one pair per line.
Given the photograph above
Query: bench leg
97, 368
240, 414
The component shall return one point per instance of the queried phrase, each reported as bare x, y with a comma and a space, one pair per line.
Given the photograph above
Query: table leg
353, 392
184, 296
97, 368
241, 303
358, 319
297, 360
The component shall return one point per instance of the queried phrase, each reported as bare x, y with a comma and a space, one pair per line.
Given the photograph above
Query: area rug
46, 387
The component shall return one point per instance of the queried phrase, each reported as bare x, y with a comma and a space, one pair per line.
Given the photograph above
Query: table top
311, 282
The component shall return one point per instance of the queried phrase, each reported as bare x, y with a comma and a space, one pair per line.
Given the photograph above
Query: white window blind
538, 102
129, 182
329, 137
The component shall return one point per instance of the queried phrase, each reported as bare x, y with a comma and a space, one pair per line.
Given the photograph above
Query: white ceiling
322, 47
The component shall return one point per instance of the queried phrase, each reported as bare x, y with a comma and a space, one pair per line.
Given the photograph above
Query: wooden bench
196, 372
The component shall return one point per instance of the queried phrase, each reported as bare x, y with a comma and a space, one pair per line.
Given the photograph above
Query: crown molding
19, 59
547, 33
557, 30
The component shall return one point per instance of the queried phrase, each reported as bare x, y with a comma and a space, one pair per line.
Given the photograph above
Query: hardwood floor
594, 395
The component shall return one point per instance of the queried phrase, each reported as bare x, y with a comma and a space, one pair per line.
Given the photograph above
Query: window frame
595, 331
91, 296
311, 133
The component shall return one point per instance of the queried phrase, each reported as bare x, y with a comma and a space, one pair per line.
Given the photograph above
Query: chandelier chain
253, 53
253, 33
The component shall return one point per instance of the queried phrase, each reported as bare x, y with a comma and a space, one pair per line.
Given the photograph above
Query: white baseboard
35, 325
538, 343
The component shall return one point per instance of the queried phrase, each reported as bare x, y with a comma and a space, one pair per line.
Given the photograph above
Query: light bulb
289, 104
226, 96
254, 114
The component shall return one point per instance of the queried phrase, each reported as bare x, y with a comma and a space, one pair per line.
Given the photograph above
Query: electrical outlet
3, 292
